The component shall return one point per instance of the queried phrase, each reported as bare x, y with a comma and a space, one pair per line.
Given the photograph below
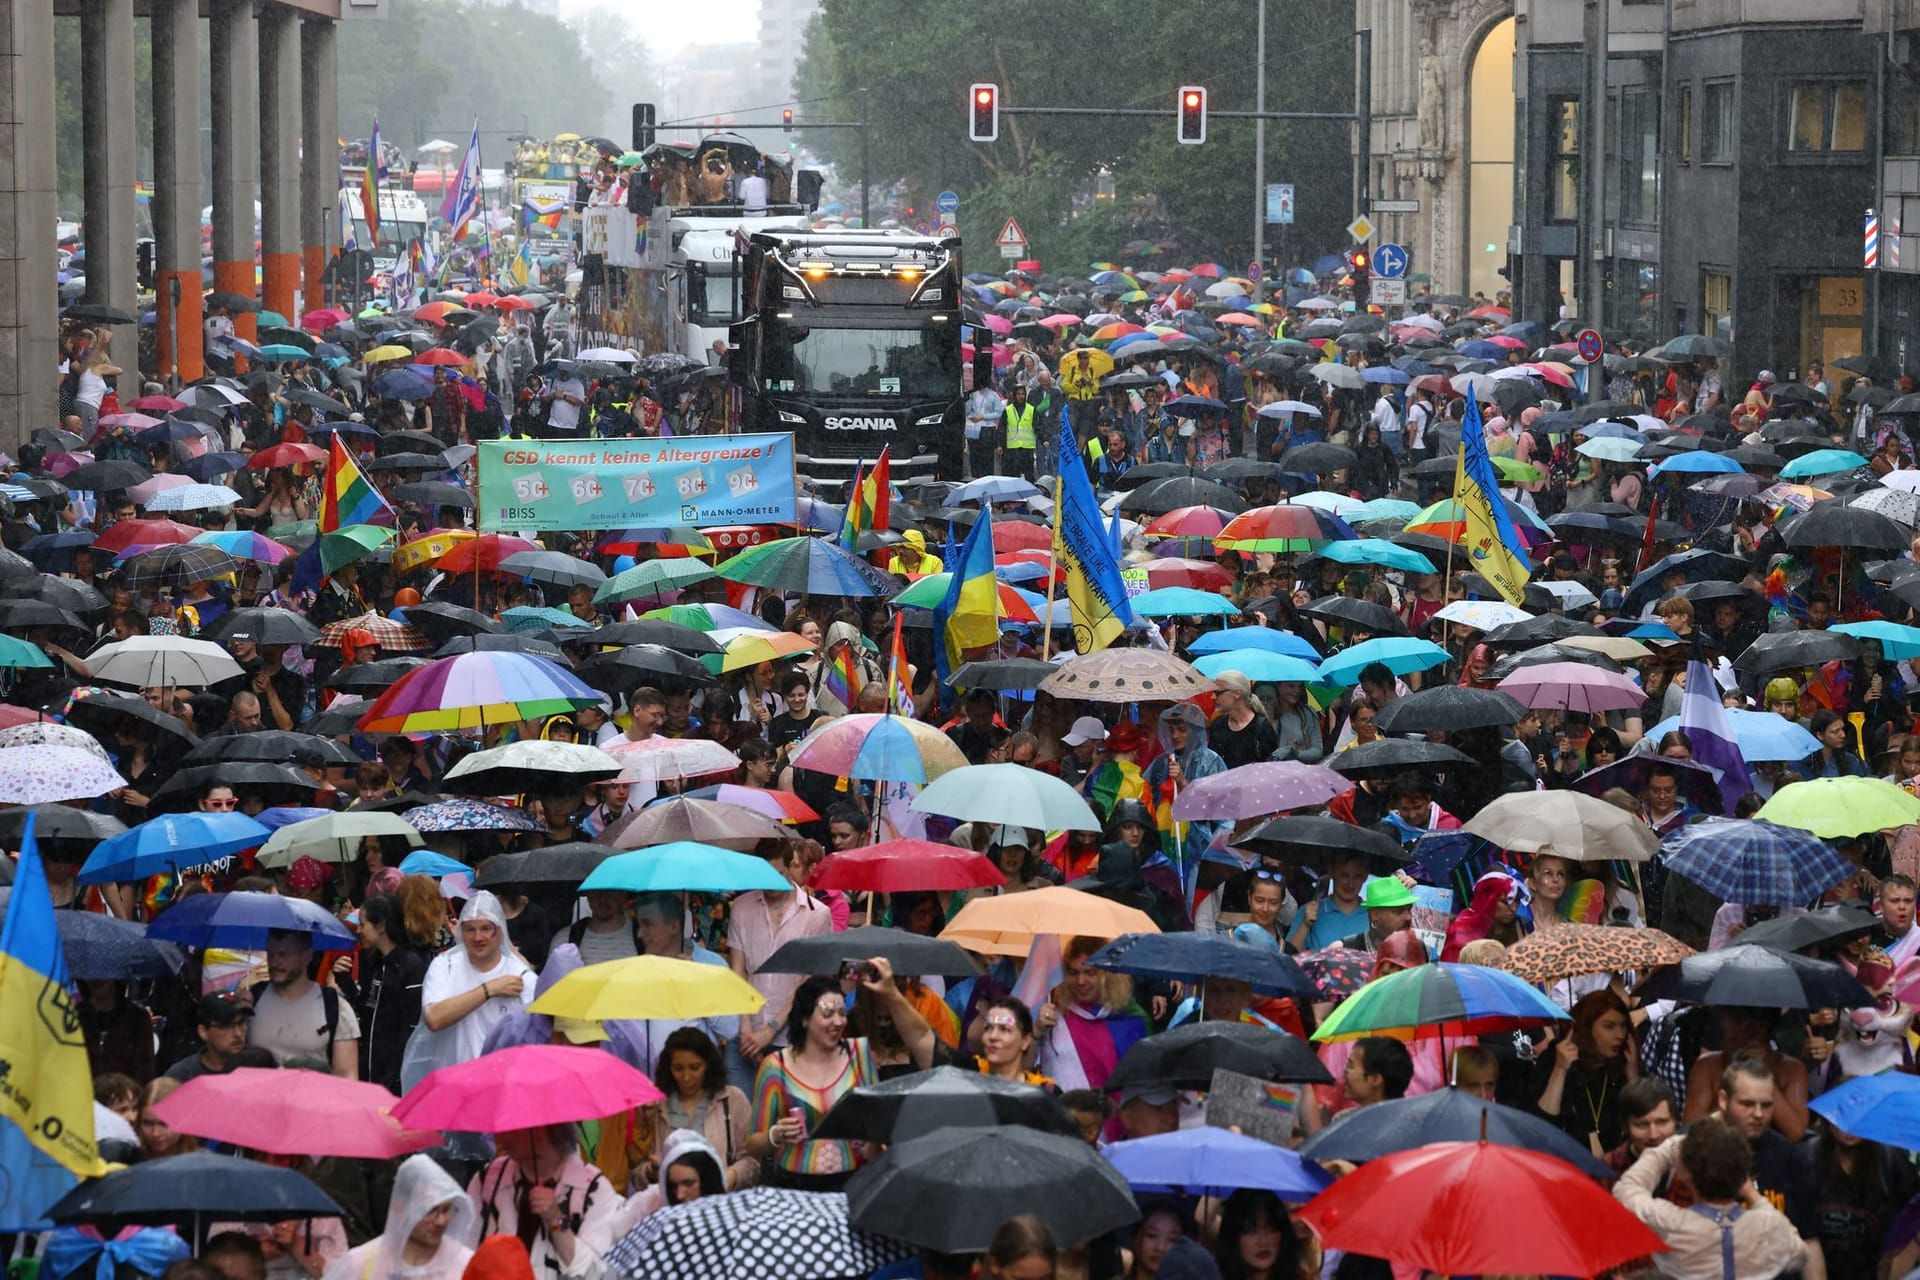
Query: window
1716, 300
1684, 146
1716, 123
1563, 198
1639, 145
1827, 115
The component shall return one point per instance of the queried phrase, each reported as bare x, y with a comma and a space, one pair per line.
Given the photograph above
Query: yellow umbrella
1007, 925
649, 987
391, 351
428, 549
762, 646
1081, 370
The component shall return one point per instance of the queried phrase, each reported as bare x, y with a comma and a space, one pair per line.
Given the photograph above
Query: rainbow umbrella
244, 544
1286, 527
1454, 1000
811, 565
710, 617
471, 690
754, 648
1447, 519
887, 747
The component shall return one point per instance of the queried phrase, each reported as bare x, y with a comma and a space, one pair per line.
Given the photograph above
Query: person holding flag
969, 616
1087, 556
1493, 546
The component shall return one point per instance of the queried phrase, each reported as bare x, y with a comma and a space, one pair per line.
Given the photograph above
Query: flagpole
1053, 544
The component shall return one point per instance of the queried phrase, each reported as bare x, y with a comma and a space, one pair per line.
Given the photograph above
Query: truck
403, 219
850, 339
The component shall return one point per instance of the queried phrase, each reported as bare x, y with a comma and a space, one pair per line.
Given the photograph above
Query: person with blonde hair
1089, 1022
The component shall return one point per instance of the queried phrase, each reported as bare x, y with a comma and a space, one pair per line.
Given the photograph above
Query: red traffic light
1193, 99
1191, 104
983, 118
983, 96
1358, 257
786, 119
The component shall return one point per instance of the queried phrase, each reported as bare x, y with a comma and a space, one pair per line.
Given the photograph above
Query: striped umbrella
471, 690
1284, 528
1455, 1000
244, 544
811, 565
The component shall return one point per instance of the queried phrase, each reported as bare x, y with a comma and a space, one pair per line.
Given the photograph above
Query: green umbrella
18, 653
1834, 808
283, 351
651, 578
356, 542
274, 320
811, 565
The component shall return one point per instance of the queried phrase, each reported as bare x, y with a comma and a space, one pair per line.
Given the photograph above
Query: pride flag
1493, 546
46, 1087
899, 672
868, 501
345, 495
1704, 719
370, 185
842, 677
970, 614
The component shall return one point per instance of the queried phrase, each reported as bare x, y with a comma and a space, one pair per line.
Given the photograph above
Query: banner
620, 484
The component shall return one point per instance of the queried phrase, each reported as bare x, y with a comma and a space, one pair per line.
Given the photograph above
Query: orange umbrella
1118, 329
483, 554
1008, 925
440, 355
435, 311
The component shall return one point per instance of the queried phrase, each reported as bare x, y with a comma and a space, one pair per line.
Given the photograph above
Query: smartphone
859, 970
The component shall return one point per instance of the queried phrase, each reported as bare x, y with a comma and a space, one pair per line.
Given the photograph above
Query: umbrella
1386, 757
1449, 708
1834, 524
1566, 824
144, 662
242, 920
59, 829
464, 813
1482, 615
1284, 528
263, 626
1007, 675
685, 866
388, 634
648, 986
558, 864
553, 568
531, 765
707, 821
1454, 1001
1754, 861
177, 566
767, 1233
1210, 1161
441, 622
168, 844
476, 689
1573, 687
1186, 1057
810, 565
1805, 929
1760, 735
48, 774
525, 1087
1183, 957
1008, 793
1792, 650
1398, 654
194, 497
658, 759
783, 806
908, 953
1570, 949
1257, 665
943, 1098
1253, 790
1475, 1208
1356, 615
879, 746
1444, 1115
652, 578
1308, 839
371, 677
323, 1115
1757, 977
1126, 675
904, 866
1698, 783
1833, 808
1268, 639
337, 837
107, 473
982, 1177
190, 1189
1008, 925
99, 947
1883, 1108
1181, 602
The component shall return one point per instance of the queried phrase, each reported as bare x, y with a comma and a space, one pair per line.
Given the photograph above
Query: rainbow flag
970, 615
869, 500
842, 678
46, 1091
370, 185
345, 495
899, 673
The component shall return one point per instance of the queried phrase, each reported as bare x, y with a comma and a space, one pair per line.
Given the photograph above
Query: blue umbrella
1698, 462
1183, 957
1896, 642
1385, 373
995, 489
285, 815
1205, 1161
811, 513
1377, 551
242, 920
1822, 462
1271, 639
1258, 665
1611, 430
169, 843
685, 866
1751, 861
209, 467
1760, 735
425, 862
1182, 602
1481, 349
1386, 509
100, 947
1883, 1108
194, 1189
1398, 654
402, 384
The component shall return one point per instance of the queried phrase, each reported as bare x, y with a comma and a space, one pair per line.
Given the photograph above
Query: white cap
1085, 729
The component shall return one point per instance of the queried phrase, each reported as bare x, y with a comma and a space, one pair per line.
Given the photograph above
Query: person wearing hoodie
843, 636
690, 1170
911, 558
430, 1230
1185, 760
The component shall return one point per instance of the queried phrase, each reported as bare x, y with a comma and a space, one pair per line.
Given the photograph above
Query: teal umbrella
1184, 602
1377, 551
686, 866
1258, 665
1398, 654
1008, 793
282, 351
1822, 462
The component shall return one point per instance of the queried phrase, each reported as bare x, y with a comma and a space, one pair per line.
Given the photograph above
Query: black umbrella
1757, 977
263, 626
656, 631
182, 790
911, 1106
1147, 472
1434, 468
1512, 662
432, 493
179, 565
99, 948
1791, 650
950, 1191
1695, 565
1708, 594
1833, 524
108, 473
440, 622
408, 462
1179, 491
64, 834
626, 669
1317, 459
1356, 615
1183, 957
1186, 1057
1591, 529
908, 953
1240, 470
1834, 923
1308, 840
555, 568
558, 864
1696, 782
409, 441
101, 713
518, 642
191, 1190
1756, 457
274, 746
1002, 674
1447, 708
228, 301
1445, 1115
97, 313
1386, 757
1544, 629
366, 678
23, 615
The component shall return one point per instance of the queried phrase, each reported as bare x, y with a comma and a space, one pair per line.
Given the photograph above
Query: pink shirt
755, 931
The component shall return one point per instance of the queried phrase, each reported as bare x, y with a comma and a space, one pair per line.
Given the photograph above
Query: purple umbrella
1254, 790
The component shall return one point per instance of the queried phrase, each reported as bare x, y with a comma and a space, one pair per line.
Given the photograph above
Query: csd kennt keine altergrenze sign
620, 484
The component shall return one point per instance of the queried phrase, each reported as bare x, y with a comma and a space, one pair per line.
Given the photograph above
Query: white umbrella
193, 497
1477, 385
1343, 376
1572, 596
1907, 481
1338, 504
612, 355
48, 773
513, 768
1317, 304
657, 759
1421, 321
1482, 615
1281, 408
146, 662
438, 145
334, 838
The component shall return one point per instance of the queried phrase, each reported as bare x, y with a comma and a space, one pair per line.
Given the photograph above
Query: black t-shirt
1849, 1222
1774, 1173
787, 728
1242, 746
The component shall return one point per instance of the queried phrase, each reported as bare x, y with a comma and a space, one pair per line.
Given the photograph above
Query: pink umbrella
144, 492
1061, 321
131, 421
322, 318
1506, 340
524, 1088
1002, 356
996, 323
293, 1114
157, 404
58, 464
1573, 686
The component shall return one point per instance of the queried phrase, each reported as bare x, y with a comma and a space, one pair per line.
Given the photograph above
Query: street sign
1390, 262
947, 202
1387, 292
1012, 240
1589, 345
1361, 229
1396, 206
1253, 270
1280, 202
947, 229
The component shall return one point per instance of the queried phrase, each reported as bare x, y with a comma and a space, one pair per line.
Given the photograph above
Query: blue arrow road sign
1390, 262
947, 202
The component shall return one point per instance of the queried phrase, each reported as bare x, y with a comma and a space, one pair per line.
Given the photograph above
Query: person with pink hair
1493, 913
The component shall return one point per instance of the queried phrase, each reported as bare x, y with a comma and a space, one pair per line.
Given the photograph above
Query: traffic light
1359, 265
786, 119
983, 112
1192, 105
643, 124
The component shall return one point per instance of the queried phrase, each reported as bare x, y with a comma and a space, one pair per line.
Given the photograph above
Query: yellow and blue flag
1493, 546
46, 1085
970, 614
1086, 553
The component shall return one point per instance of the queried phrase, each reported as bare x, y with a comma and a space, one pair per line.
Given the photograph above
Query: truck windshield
710, 300
921, 363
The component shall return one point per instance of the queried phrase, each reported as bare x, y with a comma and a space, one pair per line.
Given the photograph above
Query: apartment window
1716, 122
1563, 200
1639, 144
1716, 299
1827, 115
1684, 148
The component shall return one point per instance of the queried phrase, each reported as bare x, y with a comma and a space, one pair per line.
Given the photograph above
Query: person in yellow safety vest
911, 558
1014, 456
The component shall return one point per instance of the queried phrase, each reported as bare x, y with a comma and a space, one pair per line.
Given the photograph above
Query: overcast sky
670, 27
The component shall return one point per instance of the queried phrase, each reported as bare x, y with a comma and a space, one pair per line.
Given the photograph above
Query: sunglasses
1277, 877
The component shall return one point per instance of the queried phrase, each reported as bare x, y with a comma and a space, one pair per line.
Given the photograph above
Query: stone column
280, 79
176, 187
107, 111
320, 157
29, 202
232, 35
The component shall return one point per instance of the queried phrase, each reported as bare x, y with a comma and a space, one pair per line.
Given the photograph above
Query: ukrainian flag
46, 1085
1493, 546
970, 615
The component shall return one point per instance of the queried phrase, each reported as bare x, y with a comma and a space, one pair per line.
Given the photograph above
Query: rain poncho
682, 1144
452, 973
1185, 840
420, 1187
581, 1192
829, 683
625, 1039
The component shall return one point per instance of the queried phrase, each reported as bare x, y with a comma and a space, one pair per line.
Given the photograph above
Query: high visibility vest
1020, 427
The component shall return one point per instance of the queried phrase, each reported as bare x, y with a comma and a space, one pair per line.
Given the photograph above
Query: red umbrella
11, 715
513, 304
320, 319
1189, 522
1473, 1208
1018, 535
483, 553
144, 533
1506, 340
439, 355
286, 455
1171, 571
323, 1115
524, 1088
902, 866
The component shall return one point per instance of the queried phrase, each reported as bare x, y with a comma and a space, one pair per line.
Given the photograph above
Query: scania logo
861, 424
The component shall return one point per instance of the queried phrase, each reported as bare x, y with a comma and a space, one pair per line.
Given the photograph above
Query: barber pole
1870, 246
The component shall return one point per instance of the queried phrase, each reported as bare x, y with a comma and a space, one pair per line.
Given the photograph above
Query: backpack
329, 1004
578, 930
